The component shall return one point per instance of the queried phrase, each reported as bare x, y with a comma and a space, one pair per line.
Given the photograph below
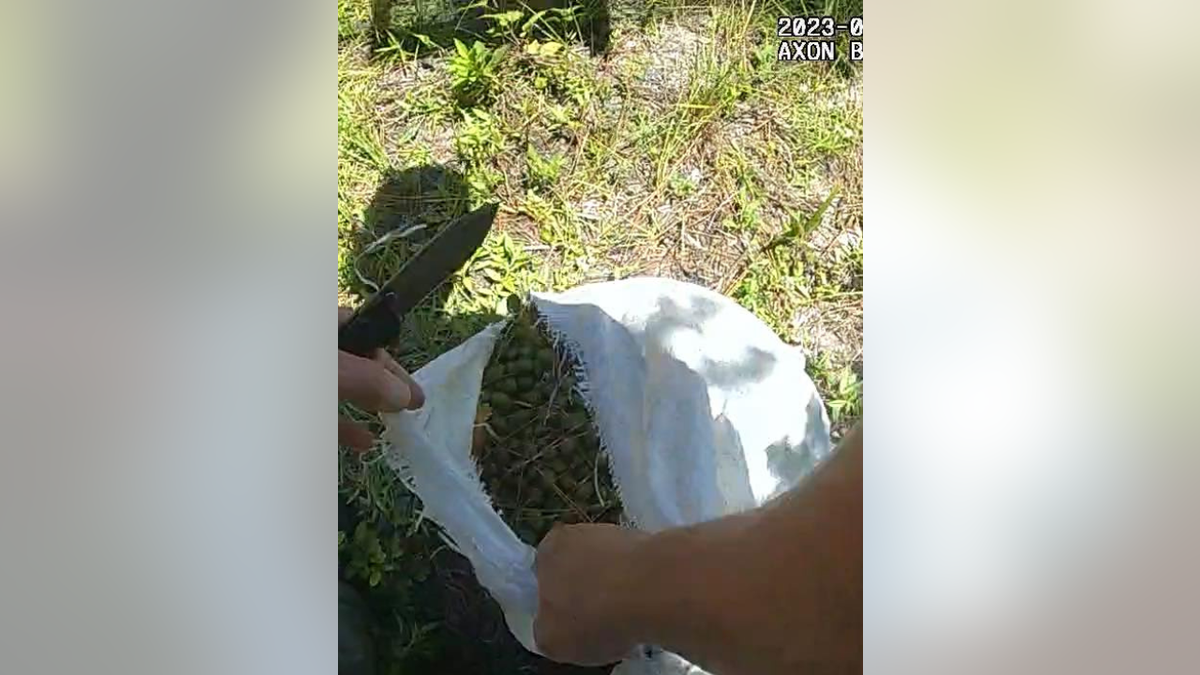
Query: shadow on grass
423, 28
408, 209
427, 27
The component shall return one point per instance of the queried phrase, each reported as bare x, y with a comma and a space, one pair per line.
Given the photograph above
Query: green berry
519, 418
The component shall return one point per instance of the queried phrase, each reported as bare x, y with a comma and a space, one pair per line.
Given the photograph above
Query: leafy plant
559, 118
798, 229
746, 216
680, 185
563, 24
479, 138
370, 558
840, 387
541, 211
547, 49
543, 172
482, 182
845, 402
560, 72
503, 23
474, 72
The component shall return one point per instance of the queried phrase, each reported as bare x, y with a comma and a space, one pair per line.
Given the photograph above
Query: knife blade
377, 321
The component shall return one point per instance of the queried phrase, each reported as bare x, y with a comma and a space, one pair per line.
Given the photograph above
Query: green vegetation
473, 72
535, 444
621, 139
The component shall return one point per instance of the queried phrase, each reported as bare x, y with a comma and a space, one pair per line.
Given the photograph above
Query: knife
377, 321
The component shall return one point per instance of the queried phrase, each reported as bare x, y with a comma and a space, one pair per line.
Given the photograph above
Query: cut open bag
702, 410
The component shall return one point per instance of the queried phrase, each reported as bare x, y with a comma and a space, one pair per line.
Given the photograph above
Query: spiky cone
535, 443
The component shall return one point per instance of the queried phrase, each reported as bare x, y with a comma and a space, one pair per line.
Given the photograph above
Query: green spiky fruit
542, 462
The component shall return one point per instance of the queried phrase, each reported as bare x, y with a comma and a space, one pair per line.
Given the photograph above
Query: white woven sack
702, 410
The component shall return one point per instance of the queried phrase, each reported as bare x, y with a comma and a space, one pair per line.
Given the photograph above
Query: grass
621, 139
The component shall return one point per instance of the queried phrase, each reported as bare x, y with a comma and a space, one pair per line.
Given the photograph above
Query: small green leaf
533, 19
505, 19
815, 219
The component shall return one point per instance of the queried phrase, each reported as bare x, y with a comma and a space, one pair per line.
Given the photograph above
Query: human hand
586, 589
377, 384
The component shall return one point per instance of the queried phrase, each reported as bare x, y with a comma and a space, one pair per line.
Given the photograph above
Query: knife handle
370, 328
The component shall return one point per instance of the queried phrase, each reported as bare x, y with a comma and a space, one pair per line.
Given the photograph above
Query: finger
354, 435
417, 395
370, 386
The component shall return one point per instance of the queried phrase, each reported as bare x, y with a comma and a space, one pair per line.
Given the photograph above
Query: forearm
774, 590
